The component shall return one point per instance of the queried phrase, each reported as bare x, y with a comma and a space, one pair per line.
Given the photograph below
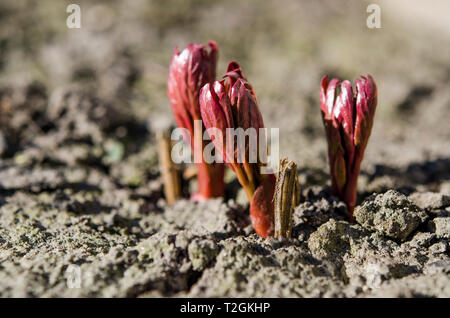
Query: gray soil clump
332, 239
442, 227
391, 214
430, 200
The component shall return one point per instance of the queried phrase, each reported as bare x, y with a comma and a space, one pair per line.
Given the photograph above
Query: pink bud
231, 103
348, 121
244, 106
366, 103
328, 96
216, 113
189, 71
234, 73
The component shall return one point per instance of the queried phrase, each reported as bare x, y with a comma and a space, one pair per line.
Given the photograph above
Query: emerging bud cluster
231, 104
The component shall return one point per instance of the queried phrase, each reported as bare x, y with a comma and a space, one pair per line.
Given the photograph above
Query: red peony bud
366, 103
245, 107
231, 103
215, 109
348, 121
189, 71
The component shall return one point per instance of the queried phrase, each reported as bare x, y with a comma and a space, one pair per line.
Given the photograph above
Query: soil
82, 209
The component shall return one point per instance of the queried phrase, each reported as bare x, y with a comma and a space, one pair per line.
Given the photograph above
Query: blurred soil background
79, 110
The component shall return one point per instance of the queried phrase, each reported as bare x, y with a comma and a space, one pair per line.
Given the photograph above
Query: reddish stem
262, 208
209, 176
351, 189
210, 181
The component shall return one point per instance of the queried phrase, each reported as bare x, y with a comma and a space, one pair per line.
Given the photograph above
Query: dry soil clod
170, 173
286, 197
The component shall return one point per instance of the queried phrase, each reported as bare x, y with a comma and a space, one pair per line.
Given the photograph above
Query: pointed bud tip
232, 65
213, 46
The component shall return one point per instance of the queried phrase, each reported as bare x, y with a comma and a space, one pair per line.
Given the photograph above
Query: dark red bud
366, 103
348, 121
244, 106
216, 113
189, 71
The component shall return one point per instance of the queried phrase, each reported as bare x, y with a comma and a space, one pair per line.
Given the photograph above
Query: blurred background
96, 95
